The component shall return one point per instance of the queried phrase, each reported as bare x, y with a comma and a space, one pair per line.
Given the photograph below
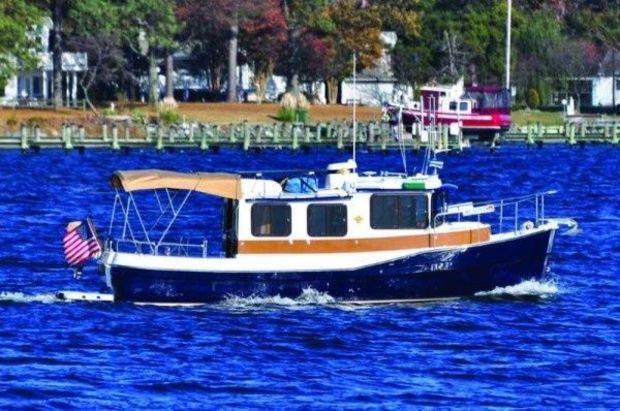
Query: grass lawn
214, 113
523, 117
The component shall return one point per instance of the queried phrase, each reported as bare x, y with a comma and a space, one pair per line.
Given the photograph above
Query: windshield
490, 99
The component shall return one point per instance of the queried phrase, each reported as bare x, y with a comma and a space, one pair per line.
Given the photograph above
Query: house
36, 88
606, 86
376, 85
599, 90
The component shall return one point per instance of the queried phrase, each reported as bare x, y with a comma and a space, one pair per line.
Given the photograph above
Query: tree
58, 10
534, 42
212, 31
17, 46
95, 29
149, 29
303, 18
576, 61
205, 34
263, 39
403, 17
353, 30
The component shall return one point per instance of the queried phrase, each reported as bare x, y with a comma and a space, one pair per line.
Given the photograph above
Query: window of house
327, 220
617, 84
271, 220
398, 211
464, 106
452, 106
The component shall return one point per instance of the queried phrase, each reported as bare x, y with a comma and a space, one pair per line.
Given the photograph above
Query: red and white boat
483, 111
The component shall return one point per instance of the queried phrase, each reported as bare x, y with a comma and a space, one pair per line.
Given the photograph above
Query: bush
35, 121
11, 121
169, 117
109, 111
286, 115
533, 99
302, 115
290, 115
138, 116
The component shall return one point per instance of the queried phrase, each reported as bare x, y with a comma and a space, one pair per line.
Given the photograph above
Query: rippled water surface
552, 343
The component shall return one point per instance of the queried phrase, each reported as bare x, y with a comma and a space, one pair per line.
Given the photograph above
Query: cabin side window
327, 220
464, 106
452, 106
271, 220
398, 211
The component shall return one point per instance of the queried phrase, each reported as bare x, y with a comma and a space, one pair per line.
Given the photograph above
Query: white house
376, 85
606, 86
36, 88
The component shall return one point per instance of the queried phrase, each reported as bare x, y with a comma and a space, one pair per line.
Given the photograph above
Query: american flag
81, 243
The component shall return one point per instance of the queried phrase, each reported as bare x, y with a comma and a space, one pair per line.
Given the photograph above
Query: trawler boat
481, 111
361, 238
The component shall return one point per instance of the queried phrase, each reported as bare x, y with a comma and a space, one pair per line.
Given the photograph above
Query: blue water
541, 344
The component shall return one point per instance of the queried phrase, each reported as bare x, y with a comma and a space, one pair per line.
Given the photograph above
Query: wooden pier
374, 136
123, 136
571, 133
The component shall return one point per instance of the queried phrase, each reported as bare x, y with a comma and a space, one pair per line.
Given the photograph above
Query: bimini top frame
217, 184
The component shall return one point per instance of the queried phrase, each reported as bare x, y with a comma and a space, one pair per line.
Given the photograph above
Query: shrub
11, 121
35, 121
138, 116
302, 115
290, 115
286, 115
109, 111
169, 117
533, 99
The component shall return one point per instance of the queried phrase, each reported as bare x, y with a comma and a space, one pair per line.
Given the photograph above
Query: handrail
503, 207
180, 248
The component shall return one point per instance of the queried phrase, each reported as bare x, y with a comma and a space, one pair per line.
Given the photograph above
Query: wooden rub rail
117, 136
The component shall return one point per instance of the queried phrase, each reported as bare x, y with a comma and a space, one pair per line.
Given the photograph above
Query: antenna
354, 106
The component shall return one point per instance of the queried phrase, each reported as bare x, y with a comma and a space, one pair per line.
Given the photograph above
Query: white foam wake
528, 288
309, 296
18, 297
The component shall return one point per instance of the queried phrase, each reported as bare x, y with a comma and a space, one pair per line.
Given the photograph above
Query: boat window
327, 220
464, 106
271, 220
398, 211
453, 106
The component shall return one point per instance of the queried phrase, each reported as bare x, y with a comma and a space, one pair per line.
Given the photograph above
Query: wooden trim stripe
453, 238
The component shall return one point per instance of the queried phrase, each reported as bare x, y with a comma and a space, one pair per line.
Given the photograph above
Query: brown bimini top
217, 184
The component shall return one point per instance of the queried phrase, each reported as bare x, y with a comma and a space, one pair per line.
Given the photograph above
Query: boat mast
354, 107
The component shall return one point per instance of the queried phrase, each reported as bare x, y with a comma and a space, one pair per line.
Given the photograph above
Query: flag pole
508, 30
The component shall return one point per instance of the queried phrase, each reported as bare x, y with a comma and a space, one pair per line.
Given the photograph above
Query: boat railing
512, 214
179, 249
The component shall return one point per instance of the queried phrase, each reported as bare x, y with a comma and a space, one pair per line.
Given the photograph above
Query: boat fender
527, 226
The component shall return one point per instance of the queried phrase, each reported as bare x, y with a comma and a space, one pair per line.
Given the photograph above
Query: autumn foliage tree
349, 29
263, 39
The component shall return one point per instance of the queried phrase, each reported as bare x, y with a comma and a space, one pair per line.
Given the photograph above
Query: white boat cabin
348, 214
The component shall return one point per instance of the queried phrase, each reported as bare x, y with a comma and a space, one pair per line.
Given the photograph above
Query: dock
377, 136
373, 136
571, 133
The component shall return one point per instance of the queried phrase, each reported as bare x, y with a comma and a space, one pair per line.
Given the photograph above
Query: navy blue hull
433, 274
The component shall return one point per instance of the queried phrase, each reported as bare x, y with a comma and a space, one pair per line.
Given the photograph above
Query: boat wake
527, 290
309, 297
19, 297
